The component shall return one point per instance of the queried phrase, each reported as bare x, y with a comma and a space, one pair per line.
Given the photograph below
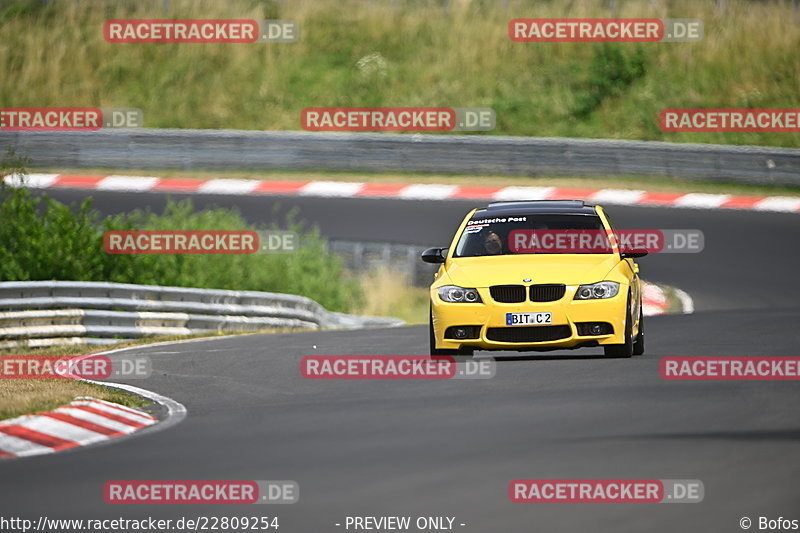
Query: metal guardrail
41, 313
367, 152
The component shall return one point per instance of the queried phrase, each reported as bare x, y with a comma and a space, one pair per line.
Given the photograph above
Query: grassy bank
25, 396
409, 53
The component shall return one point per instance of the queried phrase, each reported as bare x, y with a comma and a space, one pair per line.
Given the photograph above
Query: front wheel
623, 350
638, 344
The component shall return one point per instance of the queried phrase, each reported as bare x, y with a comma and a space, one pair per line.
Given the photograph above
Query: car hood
570, 269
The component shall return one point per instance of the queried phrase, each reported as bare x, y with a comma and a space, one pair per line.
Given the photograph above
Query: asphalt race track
451, 447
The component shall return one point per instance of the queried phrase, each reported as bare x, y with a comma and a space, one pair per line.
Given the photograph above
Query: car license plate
528, 319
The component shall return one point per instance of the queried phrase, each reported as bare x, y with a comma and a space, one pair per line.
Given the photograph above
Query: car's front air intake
528, 333
547, 293
509, 294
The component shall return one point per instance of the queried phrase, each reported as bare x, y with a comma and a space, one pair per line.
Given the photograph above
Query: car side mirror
632, 255
433, 255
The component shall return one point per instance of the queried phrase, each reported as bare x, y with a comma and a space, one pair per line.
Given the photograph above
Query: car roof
537, 207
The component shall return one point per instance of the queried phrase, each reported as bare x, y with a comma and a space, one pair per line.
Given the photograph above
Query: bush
611, 72
43, 239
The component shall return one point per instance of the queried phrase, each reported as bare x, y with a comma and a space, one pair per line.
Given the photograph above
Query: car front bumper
490, 317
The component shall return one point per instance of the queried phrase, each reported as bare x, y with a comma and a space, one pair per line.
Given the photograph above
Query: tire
622, 350
466, 352
638, 344
462, 353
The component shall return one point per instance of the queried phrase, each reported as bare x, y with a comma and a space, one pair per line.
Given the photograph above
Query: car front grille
509, 294
528, 333
547, 293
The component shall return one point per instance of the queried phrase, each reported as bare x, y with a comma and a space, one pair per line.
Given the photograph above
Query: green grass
43, 239
418, 54
24, 396
396, 297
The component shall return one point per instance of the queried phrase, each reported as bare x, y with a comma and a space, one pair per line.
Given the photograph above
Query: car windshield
532, 233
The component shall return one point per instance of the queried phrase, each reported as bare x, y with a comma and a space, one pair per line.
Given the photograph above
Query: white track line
701, 200
141, 419
21, 447
425, 191
228, 186
523, 193
96, 419
617, 196
35, 181
60, 429
778, 203
687, 303
127, 183
331, 188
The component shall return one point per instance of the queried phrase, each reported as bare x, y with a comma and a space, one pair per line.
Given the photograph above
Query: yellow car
491, 294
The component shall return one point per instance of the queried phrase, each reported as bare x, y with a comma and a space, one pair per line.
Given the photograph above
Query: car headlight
454, 294
597, 291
